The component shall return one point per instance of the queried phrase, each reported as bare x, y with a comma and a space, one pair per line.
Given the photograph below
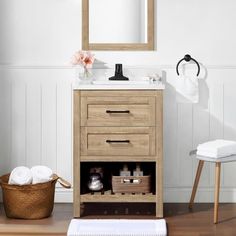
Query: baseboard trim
177, 195
63, 195
203, 195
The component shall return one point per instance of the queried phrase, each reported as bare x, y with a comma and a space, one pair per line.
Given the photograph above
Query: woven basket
34, 201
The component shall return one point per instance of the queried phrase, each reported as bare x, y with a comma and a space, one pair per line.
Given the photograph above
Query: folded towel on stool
41, 174
217, 149
21, 175
231, 158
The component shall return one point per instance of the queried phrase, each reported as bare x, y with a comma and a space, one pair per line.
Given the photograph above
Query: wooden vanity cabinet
101, 117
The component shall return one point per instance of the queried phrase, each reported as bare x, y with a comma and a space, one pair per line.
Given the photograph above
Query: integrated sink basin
120, 85
121, 82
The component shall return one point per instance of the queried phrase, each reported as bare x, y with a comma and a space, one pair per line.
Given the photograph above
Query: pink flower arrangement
84, 59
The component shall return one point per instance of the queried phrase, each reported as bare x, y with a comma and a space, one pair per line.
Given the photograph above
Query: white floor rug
117, 228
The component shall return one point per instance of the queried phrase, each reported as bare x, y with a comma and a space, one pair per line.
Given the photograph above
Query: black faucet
118, 73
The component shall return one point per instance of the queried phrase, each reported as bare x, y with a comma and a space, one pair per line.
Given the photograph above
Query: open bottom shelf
109, 196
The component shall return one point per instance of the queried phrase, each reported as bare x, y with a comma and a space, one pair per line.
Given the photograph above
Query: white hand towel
217, 148
21, 175
187, 87
41, 174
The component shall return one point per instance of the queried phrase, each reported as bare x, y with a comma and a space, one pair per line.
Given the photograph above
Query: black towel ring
187, 58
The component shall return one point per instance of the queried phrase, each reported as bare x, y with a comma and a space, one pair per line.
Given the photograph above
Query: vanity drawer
117, 141
118, 111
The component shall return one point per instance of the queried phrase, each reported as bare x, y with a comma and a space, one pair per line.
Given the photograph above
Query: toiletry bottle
125, 171
138, 171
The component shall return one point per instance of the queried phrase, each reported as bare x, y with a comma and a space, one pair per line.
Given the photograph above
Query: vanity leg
159, 158
76, 154
159, 192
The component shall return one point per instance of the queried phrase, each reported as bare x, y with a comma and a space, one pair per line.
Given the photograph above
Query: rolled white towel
41, 174
21, 175
217, 148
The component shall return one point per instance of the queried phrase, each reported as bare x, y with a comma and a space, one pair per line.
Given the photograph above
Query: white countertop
121, 86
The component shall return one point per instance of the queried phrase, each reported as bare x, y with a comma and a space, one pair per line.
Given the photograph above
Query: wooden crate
131, 184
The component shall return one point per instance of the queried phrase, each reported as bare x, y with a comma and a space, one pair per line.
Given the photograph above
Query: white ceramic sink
121, 82
120, 85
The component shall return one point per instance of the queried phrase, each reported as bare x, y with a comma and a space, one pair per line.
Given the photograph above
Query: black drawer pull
125, 111
117, 141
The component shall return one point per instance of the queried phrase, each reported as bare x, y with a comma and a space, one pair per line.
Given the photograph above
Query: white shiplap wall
36, 126
36, 120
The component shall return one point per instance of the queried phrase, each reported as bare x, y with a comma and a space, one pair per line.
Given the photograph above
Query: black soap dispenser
118, 73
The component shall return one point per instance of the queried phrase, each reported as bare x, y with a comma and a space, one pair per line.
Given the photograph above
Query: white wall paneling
36, 126
36, 121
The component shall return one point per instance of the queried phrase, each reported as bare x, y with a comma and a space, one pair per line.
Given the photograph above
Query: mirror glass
118, 21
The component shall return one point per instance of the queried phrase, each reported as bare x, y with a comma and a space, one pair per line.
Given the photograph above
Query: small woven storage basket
33, 201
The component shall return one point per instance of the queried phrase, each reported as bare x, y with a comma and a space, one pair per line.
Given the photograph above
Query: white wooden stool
217, 162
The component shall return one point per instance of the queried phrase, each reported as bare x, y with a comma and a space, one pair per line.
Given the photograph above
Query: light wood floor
181, 222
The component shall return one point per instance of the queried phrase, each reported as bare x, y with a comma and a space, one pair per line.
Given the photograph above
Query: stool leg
217, 191
196, 181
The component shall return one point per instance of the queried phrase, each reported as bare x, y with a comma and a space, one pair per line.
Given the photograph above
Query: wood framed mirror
118, 25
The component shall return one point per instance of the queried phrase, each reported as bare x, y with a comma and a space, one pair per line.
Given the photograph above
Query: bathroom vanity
115, 124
